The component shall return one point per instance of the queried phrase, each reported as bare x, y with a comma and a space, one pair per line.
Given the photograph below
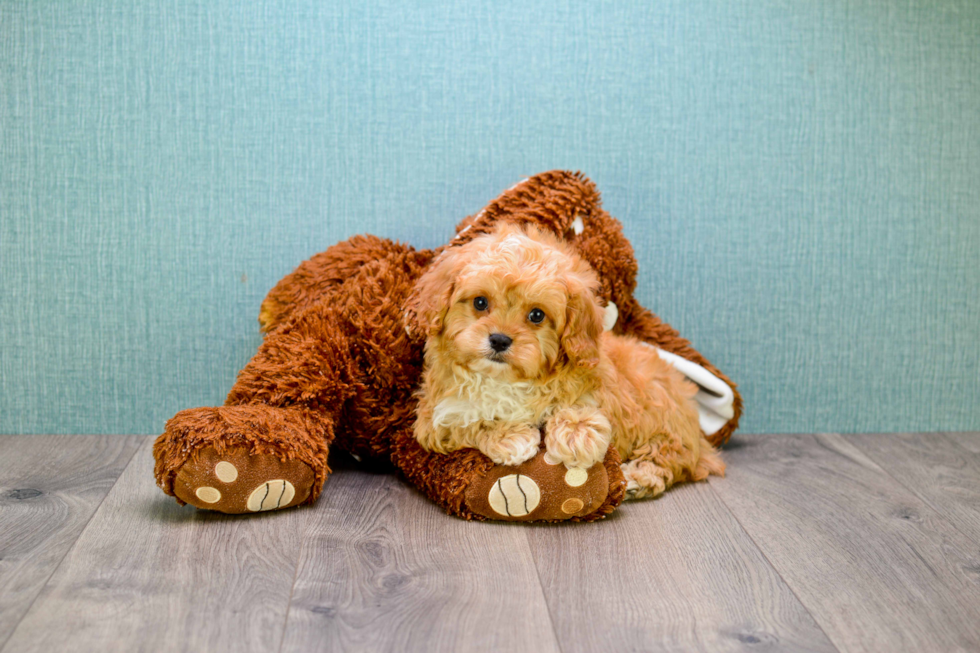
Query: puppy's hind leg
645, 478
709, 462
651, 470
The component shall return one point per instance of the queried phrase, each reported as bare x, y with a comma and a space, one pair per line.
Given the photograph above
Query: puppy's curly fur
516, 346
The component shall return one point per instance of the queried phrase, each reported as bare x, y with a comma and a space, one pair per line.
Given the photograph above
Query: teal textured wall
801, 181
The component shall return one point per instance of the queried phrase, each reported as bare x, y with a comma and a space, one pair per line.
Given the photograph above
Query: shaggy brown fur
342, 356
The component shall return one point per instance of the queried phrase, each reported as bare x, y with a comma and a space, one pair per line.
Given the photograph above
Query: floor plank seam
292, 591
544, 596
775, 569
913, 491
3, 645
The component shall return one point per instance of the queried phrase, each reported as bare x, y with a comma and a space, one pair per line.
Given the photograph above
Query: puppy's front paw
515, 447
577, 437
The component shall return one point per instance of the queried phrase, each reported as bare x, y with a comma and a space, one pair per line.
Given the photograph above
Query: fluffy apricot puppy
516, 346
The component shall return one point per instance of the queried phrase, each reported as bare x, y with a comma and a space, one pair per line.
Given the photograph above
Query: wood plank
674, 574
50, 486
969, 440
384, 569
875, 565
147, 574
935, 469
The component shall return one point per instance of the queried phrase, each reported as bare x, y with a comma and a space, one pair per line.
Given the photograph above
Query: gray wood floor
812, 542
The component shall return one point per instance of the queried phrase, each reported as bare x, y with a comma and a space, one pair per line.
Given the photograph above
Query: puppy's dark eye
536, 316
481, 303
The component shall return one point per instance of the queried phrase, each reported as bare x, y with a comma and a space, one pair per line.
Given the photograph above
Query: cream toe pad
514, 495
226, 472
208, 494
572, 506
271, 495
576, 476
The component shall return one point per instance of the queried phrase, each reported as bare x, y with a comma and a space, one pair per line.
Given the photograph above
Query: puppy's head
515, 303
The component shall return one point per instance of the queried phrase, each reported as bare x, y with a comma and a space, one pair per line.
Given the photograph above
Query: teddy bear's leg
467, 484
240, 459
267, 447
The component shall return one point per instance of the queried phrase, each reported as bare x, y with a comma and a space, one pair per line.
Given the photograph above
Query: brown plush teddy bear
342, 357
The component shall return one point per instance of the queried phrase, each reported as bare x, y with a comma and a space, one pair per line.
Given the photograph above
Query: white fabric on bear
610, 316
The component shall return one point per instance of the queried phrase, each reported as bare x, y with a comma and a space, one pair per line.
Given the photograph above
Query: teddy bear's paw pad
576, 476
271, 495
236, 481
514, 495
536, 490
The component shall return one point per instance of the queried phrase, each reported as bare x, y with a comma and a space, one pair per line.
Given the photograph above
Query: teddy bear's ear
427, 305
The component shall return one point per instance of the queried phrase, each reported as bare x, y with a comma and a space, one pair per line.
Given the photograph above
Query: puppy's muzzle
499, 343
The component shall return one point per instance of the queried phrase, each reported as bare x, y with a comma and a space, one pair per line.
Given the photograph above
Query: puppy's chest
488, 400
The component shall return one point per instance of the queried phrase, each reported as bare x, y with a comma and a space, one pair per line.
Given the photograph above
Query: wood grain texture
969, 440
147, 574
875, 565
50, 486
383, 569
674, 574
935, 469
863, 543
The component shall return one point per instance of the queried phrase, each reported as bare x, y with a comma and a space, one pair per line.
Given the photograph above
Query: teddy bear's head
566, 204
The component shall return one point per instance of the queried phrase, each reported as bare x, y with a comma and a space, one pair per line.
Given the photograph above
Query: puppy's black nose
499, 342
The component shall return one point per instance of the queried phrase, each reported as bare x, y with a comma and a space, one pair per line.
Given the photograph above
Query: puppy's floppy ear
583, 321
429, 301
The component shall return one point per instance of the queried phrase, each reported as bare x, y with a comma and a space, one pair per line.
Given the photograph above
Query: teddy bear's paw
236, 481
539, 489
